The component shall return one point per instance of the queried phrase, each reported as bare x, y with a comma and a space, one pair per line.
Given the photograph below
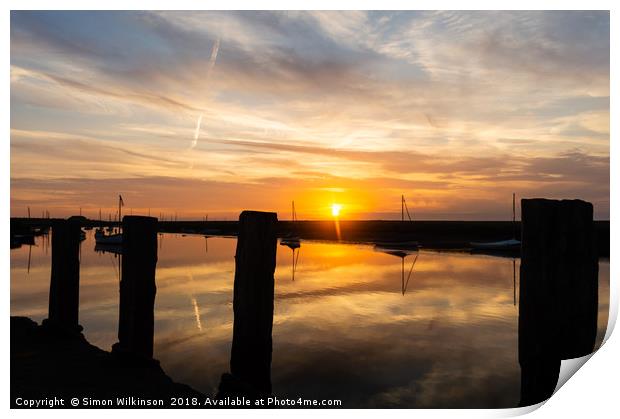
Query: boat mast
403, 208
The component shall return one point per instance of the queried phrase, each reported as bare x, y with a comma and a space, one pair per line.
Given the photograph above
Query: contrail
214, 50
196, 132
213, 58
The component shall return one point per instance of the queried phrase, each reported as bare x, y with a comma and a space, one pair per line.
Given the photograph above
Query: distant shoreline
448, 235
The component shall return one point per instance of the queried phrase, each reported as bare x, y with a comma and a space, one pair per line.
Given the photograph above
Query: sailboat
502, 245
399, 245
291, 240
114, 238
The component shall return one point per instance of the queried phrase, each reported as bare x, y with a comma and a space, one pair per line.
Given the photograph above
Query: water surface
350, 323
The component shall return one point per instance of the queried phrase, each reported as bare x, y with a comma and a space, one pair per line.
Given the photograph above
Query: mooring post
255, 263
64, 296
558, 291
137, 288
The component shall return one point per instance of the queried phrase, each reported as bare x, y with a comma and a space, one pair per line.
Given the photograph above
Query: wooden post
514, 217
558, 291
255, 263
64, 296
137, 288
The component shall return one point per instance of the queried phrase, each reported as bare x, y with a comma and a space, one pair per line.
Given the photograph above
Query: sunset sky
201, 113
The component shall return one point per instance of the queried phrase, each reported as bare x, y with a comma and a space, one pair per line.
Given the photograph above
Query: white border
593, 393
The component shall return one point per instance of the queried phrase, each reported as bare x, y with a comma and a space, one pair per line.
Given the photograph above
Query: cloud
477, 100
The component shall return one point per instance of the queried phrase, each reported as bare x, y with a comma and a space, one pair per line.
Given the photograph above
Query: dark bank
437, 235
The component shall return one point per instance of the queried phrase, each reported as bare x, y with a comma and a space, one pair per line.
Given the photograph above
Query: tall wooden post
255, 263
558, 291
137, 288
64, 296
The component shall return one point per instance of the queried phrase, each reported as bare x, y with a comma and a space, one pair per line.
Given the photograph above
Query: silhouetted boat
510, 245
291, 240
39, 231
293, 243
82, 235
111, 238
103, 238
17, 240
397, 247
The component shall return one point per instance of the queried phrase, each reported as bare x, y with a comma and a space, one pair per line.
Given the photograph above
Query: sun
336, 210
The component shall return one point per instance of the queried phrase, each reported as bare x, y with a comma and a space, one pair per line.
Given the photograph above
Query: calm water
345, 327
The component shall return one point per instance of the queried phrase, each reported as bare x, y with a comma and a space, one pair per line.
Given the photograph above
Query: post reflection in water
345, 331
29, 257
514, 281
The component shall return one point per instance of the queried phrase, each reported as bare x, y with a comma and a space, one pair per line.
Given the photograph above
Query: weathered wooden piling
255, 263
558, 291
64, 296
137, 288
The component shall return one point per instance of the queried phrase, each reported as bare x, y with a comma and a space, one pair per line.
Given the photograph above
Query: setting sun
336, 209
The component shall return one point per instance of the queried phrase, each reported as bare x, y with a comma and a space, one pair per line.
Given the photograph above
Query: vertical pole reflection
406, 282
29, 258
514, 282
296, 251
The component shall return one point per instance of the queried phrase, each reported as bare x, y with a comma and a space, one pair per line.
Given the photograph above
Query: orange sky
199, 113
